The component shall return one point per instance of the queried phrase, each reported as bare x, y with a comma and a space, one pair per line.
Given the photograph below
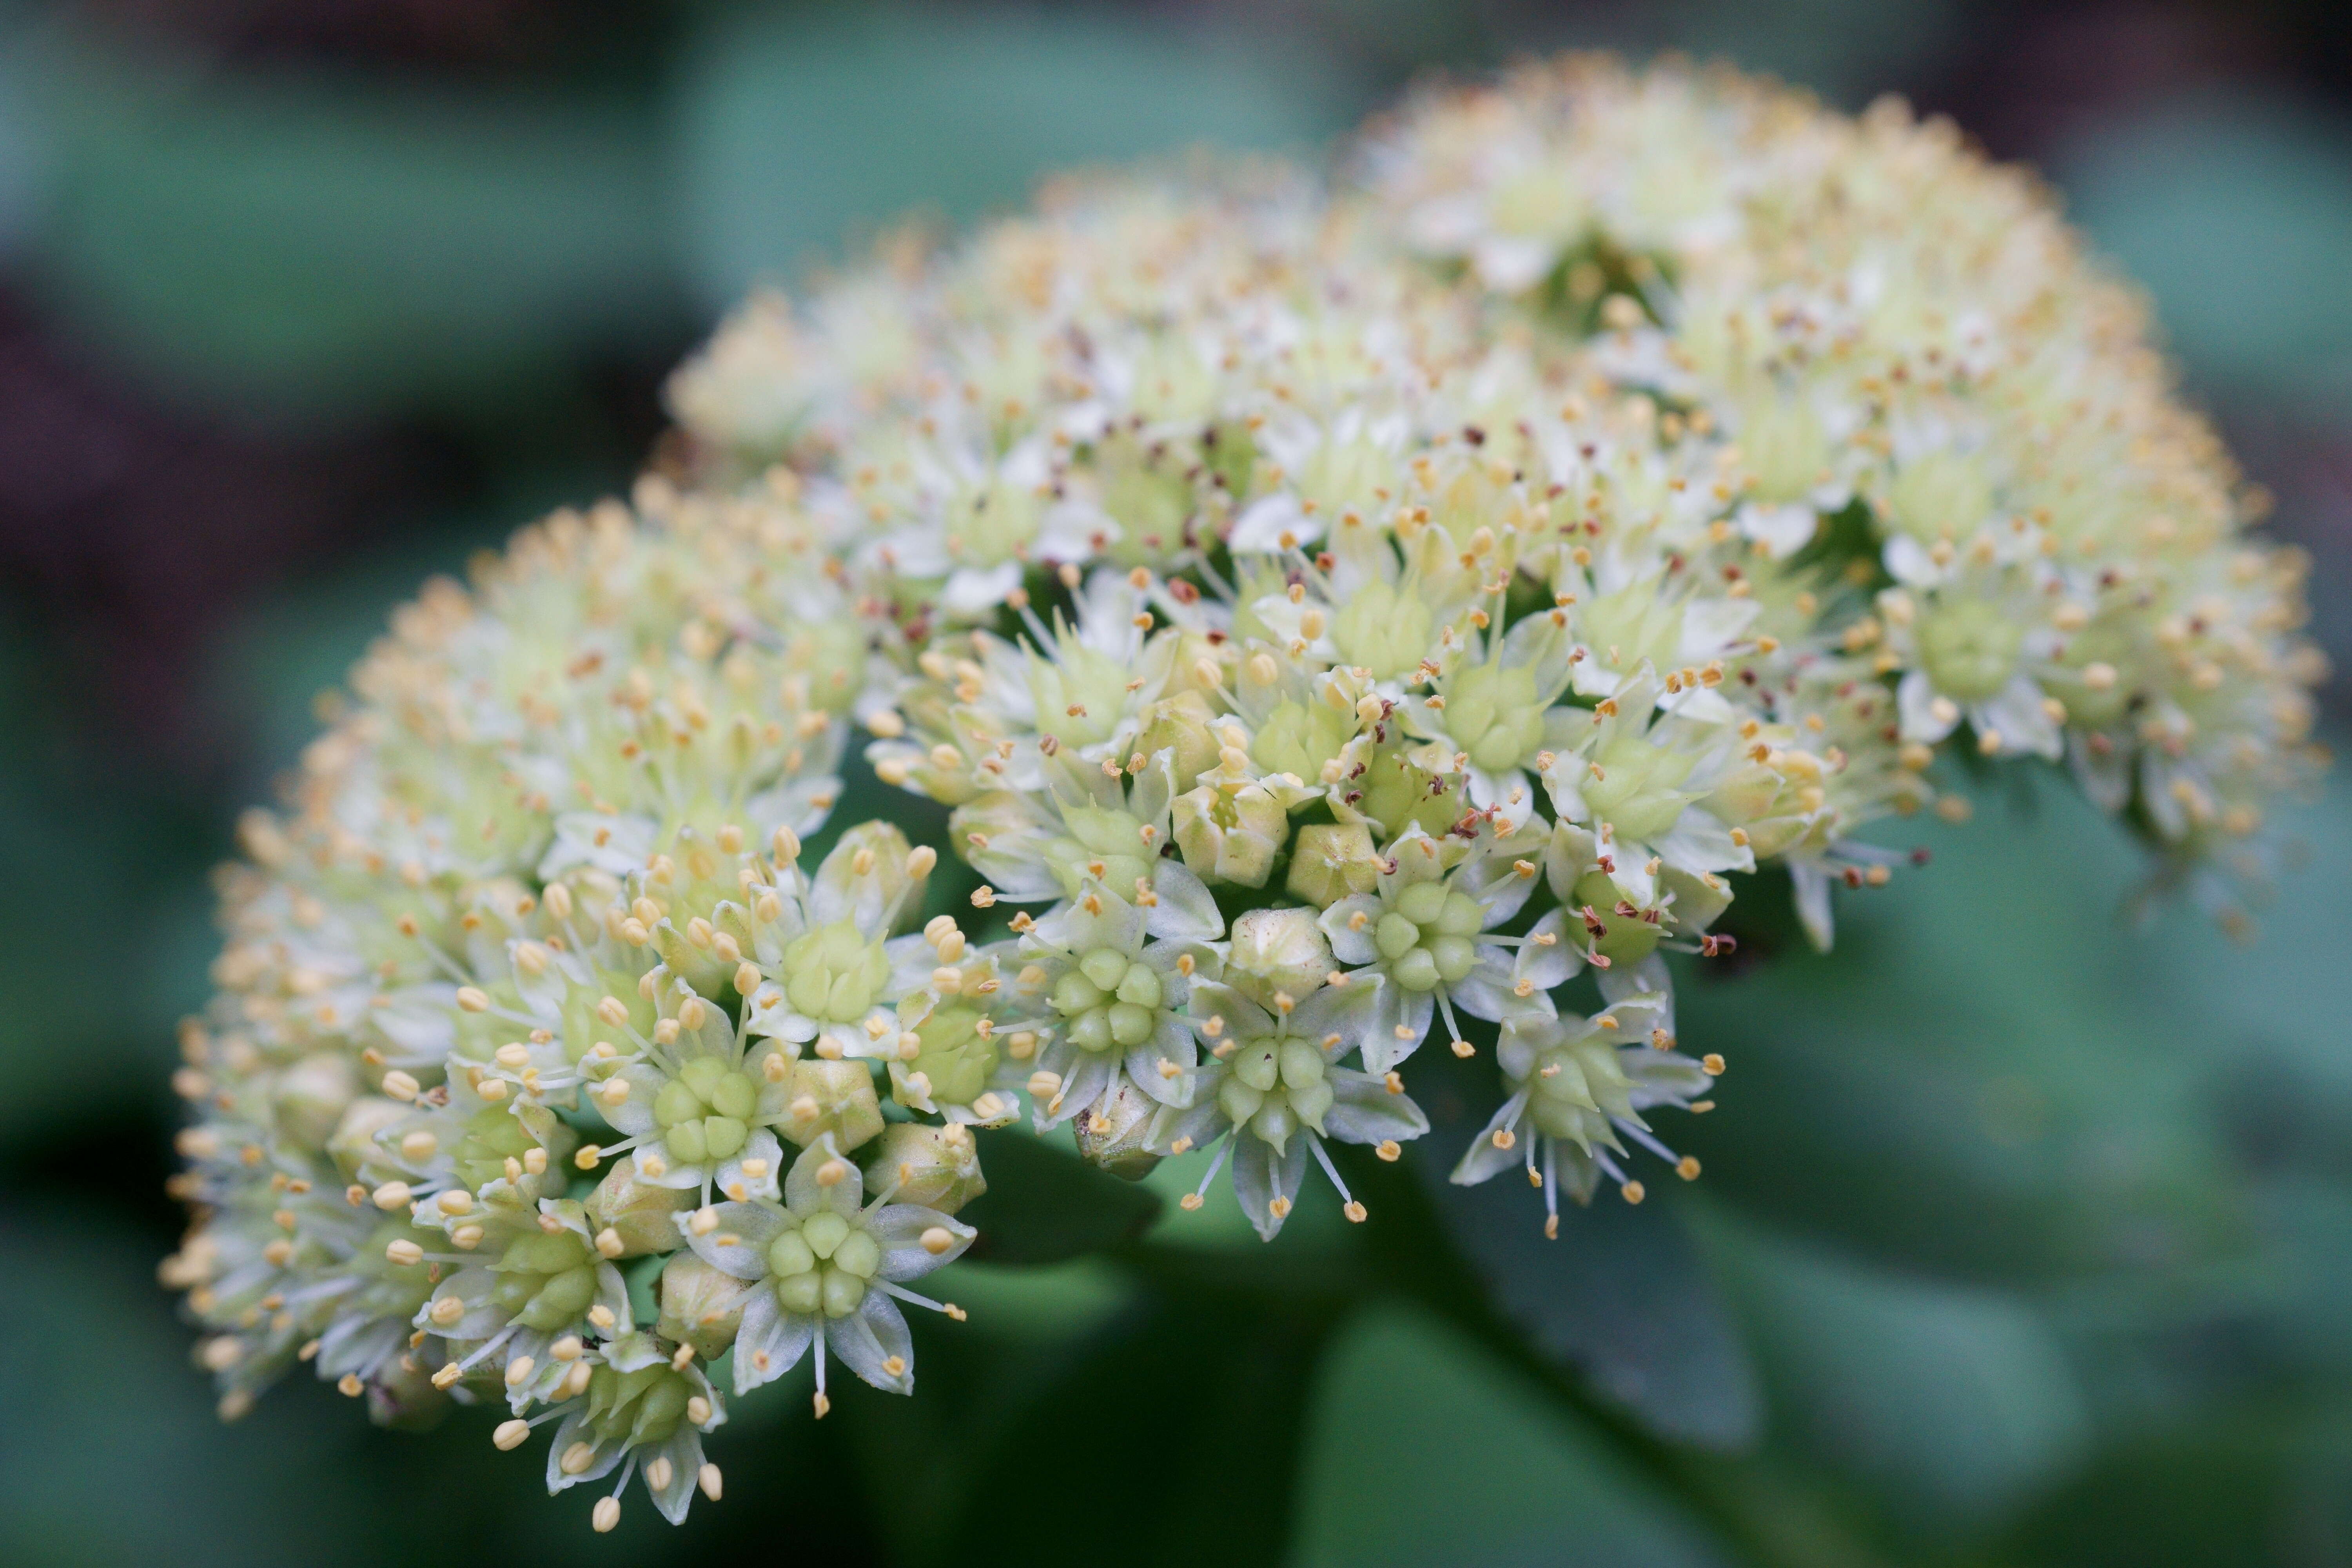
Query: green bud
1331, 861
1098, 835
1113, 1134
1785, 448
1231, 835
1969, 648
1493, 712
1627, 939
1299, 738
954, 1059
352, 1143
834, 975
1277, 950
1637, 789
1180, 726
312, 1095
701, 1305
1385, 628
1942, 495
938, 1167
1081, 695
1398, 794
836, 1097
637, 1211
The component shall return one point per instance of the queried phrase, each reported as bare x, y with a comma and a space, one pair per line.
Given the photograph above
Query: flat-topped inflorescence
1329, 620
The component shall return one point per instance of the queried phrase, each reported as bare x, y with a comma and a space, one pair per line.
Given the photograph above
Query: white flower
1274, 1091
1577, 1087
826, 1267
1423, 945
1107, 980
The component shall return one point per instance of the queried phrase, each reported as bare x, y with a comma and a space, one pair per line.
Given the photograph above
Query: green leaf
1044, 1204
1986, 1076
1427, 1451
1947, 1404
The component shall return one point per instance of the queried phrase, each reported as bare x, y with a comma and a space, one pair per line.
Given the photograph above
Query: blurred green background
2027, 1233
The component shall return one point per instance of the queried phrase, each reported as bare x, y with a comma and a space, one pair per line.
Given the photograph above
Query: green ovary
546, 1281
1633, 624
1299, 738
1494, 714
643, 1407
1112, 1002
1098, 835
1969, 650
834, 975
824, 1265
991, 524
493, 1136
1397, 793
1383, 628
1625, 938
1429, 936
1080, 694
1576, 1089
705, 1112
1636, 790
1273, 1087
954, 1057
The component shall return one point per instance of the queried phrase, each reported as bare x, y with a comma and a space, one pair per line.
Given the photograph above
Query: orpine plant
1333, 619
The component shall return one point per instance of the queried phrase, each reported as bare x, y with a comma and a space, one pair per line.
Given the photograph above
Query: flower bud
1098, 835
1331, 861
938, 1167
1112, 1135
836, 1097
868, 870
1231, 836
1278, 951
953, 1057
312, 1095
352, 1143
833, 973
1784, 445
1179, 725
637, 1210
1941, 495
700, 1306
401, 1398
1299, 738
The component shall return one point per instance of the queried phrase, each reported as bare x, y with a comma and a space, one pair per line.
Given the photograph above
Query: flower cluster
2047, 546
1332, 620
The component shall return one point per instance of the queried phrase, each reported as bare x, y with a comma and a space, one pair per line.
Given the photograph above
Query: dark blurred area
2027, 1237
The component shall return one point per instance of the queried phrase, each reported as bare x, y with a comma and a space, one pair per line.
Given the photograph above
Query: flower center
1273, 1085
643, 1407
705, 1111
1110, 1000
1576, 1088
1624, 939
1635, 790
1428, 935
953, 1057
1384, 629
1969, 650
545, 1281
1493, 713
833, 973
824, 1265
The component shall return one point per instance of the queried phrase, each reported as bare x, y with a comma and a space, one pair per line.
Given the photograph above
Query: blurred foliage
2025, 1232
